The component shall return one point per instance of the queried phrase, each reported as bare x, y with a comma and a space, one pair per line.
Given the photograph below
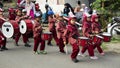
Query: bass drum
9, 29
26, 26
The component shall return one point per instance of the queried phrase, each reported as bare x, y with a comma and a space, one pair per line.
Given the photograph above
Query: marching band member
60, 28
37, 32
87, 32
96, 28
12, 14
25, 38
2, 38
51, 26
72, 34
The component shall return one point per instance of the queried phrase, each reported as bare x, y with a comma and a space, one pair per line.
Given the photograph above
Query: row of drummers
62, 33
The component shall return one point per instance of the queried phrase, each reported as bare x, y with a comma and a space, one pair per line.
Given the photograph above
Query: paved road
22, 57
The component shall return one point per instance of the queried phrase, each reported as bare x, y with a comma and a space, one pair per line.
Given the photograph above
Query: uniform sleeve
86, 30
58, 27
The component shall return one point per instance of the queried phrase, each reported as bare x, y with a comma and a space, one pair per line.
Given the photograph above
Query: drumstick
66, 50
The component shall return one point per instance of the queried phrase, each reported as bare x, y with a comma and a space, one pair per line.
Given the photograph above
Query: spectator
68, 8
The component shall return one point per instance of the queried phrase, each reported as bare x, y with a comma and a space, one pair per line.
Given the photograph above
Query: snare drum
106, 37
83, 41
47, 36
26, 26
97, 38
9, 29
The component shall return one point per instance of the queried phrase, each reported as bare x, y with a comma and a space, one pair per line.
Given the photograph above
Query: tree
107, 9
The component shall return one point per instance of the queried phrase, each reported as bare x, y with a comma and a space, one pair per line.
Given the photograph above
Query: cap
24, 10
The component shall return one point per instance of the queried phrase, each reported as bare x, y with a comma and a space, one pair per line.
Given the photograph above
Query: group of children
63, 29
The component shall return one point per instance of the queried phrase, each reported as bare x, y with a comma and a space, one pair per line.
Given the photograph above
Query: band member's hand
91, 35
102, 30
65, 43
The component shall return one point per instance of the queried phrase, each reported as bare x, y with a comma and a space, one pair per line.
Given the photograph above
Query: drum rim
106, 34
6, 35
47, 32
83, 37
99, 36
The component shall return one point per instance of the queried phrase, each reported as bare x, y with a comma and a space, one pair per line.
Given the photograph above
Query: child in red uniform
72, 34
2, 38
87, 32
60, 28
37, 32
96, 28
51, 26
19, 17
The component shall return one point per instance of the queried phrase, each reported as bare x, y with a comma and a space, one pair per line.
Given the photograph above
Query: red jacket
51, 24
71, 33
95, 25
37, 29
60, 28
87, 29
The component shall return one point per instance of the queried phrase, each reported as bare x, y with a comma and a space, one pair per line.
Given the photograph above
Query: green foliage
107, 9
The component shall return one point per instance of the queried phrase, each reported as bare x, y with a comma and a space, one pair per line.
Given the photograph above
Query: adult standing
30, 7
77, 8
68, 8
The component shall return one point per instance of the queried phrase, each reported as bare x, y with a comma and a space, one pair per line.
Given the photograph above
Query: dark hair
69, 6
90, 11
78, 2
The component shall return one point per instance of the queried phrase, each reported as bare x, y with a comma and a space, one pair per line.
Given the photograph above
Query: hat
1, 10
50, 12
88, 15
24, 10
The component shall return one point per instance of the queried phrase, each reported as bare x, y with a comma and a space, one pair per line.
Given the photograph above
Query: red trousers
25, 38
75, 50
97, 45
37, 41
89, 47
2, 42
54, 34
61, 44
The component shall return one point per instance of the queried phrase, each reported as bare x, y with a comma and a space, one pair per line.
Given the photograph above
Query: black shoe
27, 45
62, 51
16, 44
4, 48
75, 60
49, 44
1, 49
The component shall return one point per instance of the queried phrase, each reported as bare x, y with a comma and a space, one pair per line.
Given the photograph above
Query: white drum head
106, 34
99, 36
47, 32
83, 38
7, 29
23, 27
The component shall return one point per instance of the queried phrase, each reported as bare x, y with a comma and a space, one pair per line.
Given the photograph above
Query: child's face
1, 13
73, 21
88, 19
96, 20
23, 13
38, 18
19, 13
60, 18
